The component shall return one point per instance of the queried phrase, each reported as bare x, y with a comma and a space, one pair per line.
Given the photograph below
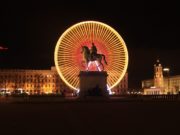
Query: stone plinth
93, 83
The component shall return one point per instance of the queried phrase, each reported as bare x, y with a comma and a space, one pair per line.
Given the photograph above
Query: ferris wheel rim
94, 22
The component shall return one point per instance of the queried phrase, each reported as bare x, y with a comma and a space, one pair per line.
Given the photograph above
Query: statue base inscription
93, 84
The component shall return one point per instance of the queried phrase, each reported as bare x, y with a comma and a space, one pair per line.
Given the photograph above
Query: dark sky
150, 29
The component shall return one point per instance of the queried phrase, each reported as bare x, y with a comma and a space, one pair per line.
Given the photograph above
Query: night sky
30, 31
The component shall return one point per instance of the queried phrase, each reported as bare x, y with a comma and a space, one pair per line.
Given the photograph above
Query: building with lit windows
122, 87
161, 84
40, 81
31, 81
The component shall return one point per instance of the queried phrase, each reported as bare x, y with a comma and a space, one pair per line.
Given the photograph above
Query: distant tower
158, 75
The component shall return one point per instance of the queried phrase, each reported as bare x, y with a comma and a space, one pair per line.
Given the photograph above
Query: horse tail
104, 58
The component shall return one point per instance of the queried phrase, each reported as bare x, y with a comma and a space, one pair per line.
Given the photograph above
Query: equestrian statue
92, 55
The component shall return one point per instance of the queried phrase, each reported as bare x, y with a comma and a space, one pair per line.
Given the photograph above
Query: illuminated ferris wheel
68, 57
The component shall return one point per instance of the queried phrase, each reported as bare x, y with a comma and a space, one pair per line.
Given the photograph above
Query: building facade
122, 87
40, 81
171, 86
158, 75
161, 84
31, 81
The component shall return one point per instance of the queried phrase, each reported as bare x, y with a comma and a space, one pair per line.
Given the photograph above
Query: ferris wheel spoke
84, 33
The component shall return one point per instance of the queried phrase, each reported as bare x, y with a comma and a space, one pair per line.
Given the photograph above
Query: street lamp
167, 70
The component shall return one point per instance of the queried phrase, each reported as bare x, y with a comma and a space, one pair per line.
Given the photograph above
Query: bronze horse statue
87, 57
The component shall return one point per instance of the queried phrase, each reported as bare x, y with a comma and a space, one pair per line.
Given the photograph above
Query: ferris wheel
68, 57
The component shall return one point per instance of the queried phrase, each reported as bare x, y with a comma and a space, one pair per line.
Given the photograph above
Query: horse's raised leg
102, 66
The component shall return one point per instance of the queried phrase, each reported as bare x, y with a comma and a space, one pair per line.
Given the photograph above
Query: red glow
3, 48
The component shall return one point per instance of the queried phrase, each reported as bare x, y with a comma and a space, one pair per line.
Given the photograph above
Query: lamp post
167, 70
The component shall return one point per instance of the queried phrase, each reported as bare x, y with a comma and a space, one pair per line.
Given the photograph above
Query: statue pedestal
93, 84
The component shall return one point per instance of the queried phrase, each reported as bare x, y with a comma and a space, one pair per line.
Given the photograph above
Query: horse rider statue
92, 55
93, 51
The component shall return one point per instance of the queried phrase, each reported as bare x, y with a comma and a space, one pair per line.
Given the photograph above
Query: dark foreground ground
90, 118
